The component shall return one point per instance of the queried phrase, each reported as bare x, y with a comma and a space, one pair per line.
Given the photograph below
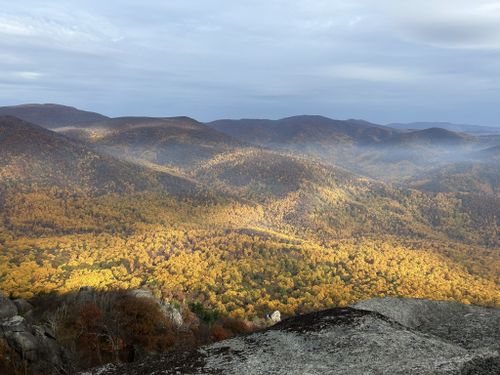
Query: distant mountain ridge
390, 153
302, 129
470, 177
173, 141
321, 130
359, 146
445, 125
433, 136
489, 154
35, 156
51, 115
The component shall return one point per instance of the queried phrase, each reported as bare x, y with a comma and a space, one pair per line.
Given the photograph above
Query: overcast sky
380, 60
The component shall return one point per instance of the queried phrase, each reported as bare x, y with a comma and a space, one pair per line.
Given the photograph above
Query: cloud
457, 24
373, 73
63, 29
28, 75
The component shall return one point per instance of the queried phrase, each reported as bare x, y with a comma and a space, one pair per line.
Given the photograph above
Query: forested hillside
51, 115
33, 158
377, 151
246, 231
175, 142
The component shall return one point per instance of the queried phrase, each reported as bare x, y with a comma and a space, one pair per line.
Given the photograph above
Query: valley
117, 203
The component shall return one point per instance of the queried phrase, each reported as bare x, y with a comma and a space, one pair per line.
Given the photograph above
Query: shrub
142, 322
207, 316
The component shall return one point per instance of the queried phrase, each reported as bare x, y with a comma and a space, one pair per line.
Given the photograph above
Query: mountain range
304, 130
32, 155
474, 129
240, 218
178, 142
291, 176
368, 149
312, 162
181, 156
51, 115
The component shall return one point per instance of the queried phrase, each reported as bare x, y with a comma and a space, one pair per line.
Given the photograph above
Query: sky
380, 60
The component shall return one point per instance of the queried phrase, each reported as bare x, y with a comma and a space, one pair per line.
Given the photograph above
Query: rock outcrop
33, 344
386, 336
170, 311
22, 305
275, 317
466, 325
141, 293
7, 308
88, 294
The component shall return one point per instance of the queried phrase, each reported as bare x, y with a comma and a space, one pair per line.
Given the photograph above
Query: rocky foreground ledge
379, 336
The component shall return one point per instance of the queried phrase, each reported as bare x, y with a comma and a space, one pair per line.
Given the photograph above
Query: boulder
141, 293
35, 344
170, 311
48, 348
22, 305
7, 308
19, 336
275, 317
472, 327
173, 314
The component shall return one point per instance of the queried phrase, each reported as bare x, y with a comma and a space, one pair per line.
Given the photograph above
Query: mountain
34, 156
358, 146
297, 192
313, 197
490, 154
395, 336
326, 131
464, 128
303, 129
470, 177
175, 141
430, 136
268, 174
51, 115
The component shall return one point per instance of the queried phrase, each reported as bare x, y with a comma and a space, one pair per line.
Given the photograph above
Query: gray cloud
456, 24
384, 61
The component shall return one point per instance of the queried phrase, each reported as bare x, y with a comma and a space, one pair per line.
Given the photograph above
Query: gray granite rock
7, 308
141, 293
466, 325
33, 344
169, 310
348, 341
22, 305
172, 313
275, 317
